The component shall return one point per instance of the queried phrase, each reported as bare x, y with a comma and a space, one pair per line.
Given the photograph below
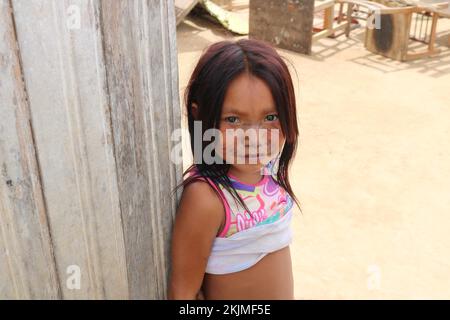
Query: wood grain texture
392, 39
27, 265
89, 100
140, 53
65, 79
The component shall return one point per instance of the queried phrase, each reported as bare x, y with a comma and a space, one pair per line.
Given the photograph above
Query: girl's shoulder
200, 204
200, 192
202, 200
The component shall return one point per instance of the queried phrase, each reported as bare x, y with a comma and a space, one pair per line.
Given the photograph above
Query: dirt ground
372, 170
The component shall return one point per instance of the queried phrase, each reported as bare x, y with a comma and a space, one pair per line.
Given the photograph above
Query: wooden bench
329, 27
392, 39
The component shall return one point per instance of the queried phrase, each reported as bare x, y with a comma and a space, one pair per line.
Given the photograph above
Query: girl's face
249, 106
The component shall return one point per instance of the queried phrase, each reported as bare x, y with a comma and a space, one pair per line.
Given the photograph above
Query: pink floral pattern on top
267, 201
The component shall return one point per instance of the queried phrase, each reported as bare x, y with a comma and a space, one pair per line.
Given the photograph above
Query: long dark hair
220, 64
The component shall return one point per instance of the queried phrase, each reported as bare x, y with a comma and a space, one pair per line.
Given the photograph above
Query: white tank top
245, 248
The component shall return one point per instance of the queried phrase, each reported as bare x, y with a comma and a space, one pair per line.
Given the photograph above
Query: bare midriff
270, 278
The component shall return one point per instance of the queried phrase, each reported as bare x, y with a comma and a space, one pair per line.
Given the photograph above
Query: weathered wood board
27, 265
88, 102
392, 39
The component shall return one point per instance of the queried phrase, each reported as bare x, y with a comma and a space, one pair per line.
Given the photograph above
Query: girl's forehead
248, 95
246, 111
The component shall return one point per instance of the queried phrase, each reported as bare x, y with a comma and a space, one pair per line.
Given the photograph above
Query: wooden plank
328, 22
433, 31
431, 5
65, 78
141, 61
327, 33
373, 6
89, 93
444, 12
422, 54
286, 24
27, 265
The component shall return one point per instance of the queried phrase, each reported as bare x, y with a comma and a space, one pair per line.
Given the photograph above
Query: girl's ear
194, 110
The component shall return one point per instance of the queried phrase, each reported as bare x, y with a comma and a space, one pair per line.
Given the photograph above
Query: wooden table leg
349, 19
341, 13
433, 32
329, 19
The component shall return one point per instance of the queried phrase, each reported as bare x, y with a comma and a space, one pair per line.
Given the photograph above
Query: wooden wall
89, 98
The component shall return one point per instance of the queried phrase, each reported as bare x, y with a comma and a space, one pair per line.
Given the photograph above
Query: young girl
232, 230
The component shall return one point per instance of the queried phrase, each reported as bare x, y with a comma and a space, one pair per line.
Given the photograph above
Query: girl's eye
271, 117
232, 119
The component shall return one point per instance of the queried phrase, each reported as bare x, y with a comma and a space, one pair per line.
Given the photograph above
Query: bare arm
199, 217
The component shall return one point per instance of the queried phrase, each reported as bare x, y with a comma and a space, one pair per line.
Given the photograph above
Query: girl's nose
252, 125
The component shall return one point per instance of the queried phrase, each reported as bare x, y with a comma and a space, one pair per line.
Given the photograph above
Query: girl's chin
250, 162
248, 167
